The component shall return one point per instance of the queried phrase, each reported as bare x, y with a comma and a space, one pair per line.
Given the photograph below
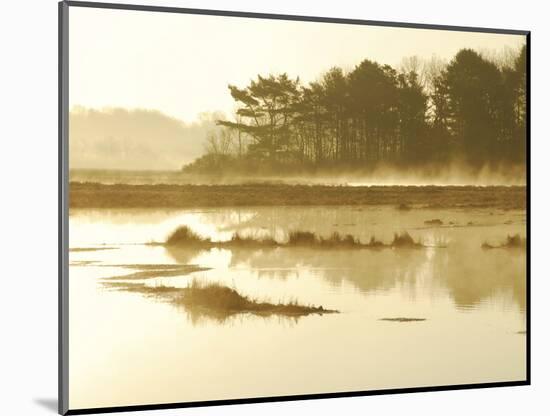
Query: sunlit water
127, 349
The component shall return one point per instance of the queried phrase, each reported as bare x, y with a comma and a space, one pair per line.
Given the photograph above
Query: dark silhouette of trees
268, 104
427, 112
414, 145
471, 87
374, 99
517, 84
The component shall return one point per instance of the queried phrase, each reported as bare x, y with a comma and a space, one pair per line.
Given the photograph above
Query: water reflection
462, 270
469, 277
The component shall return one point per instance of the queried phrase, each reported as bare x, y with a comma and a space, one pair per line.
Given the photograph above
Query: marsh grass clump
302, 238
217, 301
239, 240
374, 243
404, 240
184, 235
225, 299
512, 241
339, 240
213, 296
335, 240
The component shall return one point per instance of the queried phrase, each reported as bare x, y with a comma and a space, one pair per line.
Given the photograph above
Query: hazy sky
181, 64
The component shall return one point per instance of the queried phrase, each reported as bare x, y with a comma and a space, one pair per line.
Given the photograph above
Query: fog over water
134, 139
449, 176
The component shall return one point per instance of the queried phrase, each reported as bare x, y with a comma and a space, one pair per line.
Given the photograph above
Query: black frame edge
528, 203
63, 177
295, 398
273, 16
63, 213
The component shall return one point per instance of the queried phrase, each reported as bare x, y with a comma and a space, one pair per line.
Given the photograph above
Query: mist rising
133, 139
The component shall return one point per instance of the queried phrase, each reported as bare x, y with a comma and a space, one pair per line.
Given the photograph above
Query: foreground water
128, 349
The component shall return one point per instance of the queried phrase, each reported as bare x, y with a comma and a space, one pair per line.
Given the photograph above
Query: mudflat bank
95, 195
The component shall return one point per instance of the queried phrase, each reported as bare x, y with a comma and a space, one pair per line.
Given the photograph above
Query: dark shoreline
95, 195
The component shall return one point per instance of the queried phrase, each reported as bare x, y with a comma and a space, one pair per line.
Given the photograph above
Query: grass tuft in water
302, 238
185, 236
239, 240
225, 299
404, 240
512, 241
217, 301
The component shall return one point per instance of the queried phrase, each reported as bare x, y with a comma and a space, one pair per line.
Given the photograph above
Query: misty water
129, 349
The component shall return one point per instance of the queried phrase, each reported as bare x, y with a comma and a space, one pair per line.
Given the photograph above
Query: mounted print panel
260, 208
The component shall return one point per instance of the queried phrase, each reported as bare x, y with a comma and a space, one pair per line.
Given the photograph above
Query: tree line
472, 109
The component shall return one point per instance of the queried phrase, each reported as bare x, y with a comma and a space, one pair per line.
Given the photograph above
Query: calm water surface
127, 349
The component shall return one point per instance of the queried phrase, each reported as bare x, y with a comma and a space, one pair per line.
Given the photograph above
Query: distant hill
134, 139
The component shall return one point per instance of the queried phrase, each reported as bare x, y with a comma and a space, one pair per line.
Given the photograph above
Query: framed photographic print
264, 207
